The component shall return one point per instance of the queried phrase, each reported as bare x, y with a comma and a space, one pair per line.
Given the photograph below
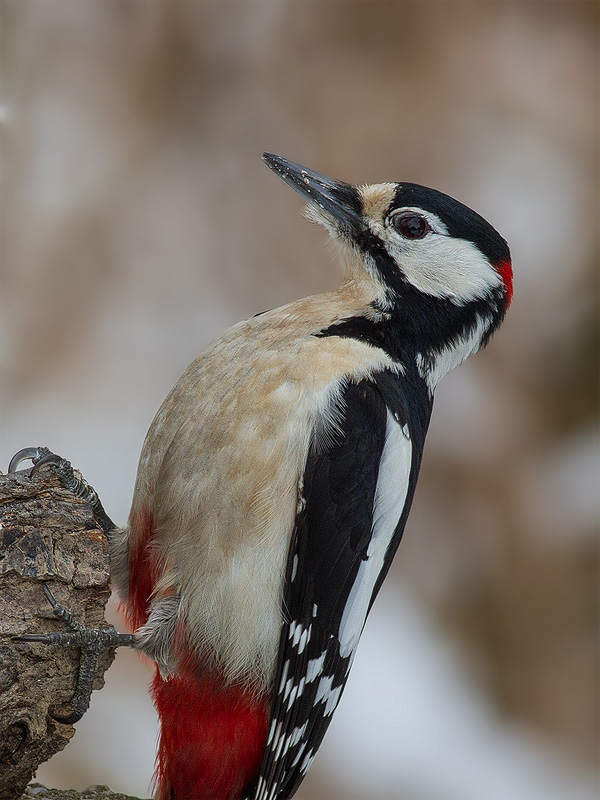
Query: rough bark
35, 791
46, 535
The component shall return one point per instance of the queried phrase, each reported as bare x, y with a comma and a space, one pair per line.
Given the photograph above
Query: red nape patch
142, 570
505, 270
212, 737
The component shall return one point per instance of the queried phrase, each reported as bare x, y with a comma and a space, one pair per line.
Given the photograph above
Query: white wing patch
328, 695
390, 496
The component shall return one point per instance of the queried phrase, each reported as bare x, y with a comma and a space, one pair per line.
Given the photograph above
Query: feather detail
142, 569
212, 736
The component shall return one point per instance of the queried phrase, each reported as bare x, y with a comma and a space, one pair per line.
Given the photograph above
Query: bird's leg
91, 642
69, 478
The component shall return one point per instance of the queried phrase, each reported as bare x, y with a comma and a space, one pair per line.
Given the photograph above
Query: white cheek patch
433, 371
445, 267
440, 265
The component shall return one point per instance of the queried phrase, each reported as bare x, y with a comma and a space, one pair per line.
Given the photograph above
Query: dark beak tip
333, 197
272, 161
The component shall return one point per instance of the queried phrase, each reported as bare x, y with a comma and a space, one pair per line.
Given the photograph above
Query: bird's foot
69, 478
91, 642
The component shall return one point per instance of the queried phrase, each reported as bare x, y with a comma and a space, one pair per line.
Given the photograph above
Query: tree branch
46, 535
35, 791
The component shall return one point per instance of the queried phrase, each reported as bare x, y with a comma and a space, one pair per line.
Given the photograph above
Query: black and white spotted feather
353, 507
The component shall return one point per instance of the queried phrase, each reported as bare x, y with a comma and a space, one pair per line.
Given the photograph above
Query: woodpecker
276, 479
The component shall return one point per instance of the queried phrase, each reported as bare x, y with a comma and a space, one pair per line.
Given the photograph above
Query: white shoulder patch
390, 496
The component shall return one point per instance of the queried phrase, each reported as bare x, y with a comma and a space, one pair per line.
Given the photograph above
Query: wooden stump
46, 535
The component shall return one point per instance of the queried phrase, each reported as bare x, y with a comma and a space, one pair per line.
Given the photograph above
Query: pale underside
224, 484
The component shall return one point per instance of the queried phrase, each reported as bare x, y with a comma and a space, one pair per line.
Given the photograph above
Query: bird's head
438, 271
408, 237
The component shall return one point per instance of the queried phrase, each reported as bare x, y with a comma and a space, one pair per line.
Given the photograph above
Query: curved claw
47, 458
49, 596
70, 479
25, 454
69, 719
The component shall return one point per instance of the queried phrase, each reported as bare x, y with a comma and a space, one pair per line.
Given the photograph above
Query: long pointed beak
340, 201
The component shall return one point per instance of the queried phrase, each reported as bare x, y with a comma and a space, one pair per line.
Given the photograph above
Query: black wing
330, 585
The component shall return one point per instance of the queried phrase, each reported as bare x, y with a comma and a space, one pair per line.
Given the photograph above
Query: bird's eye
410, 225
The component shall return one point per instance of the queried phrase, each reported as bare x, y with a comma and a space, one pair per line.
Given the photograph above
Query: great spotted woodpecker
276, 479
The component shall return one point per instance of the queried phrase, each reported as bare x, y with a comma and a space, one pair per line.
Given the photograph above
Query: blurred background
138, 222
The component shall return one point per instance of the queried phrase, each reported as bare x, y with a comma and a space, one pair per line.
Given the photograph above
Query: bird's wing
352, 510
